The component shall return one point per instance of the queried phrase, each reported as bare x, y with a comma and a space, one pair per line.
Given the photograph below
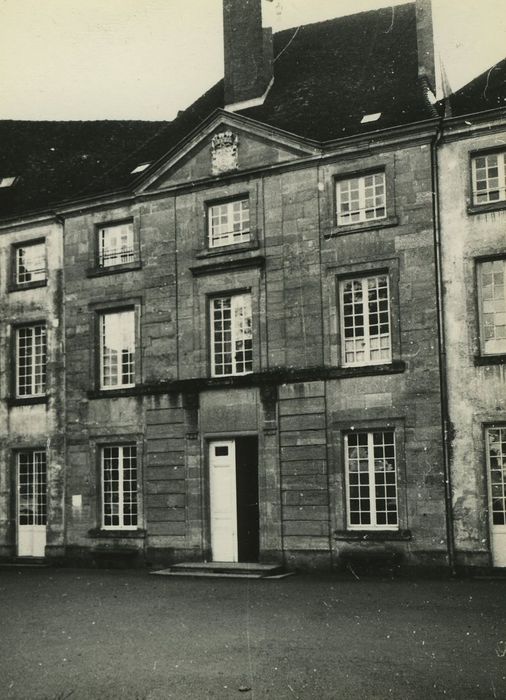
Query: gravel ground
85, 634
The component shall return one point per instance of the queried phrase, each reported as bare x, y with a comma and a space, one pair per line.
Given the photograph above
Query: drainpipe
443, 379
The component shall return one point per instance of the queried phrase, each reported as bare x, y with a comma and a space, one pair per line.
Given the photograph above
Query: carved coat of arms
224, 152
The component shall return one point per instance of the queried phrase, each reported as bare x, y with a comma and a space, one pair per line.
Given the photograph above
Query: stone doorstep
216, 569
24, 562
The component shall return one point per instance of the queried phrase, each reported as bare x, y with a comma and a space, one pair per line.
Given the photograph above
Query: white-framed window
360, 199
231, 335
489, 178
496, 458
116, 244
32, 487
31, 360
119, 487
365, 320
30, 263
371, 480
228, 223
492, 306
117, 349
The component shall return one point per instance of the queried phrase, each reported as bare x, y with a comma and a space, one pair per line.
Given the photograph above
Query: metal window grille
361, 199
117, 344
371, 480
116, 245
496, 457
231, 335
31, 355
30, 263
119, 487
365, 320
229, 223
489, 178
32, 487
492, 285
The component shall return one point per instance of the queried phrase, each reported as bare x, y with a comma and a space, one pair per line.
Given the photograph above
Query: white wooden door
223, 500
31, 503
496, 463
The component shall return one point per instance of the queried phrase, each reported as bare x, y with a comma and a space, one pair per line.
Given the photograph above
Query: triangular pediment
227, 144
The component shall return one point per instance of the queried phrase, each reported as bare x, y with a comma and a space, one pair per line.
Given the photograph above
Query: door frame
207, 440
488, 488
15, 494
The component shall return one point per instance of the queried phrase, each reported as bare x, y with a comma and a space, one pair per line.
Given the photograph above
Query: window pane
117, 349
116, 244
496, 446
489, 178
365, 320
361, 199
31, 361
119, 487
32, 487
31, 263
492, 281
231, 335
229, 223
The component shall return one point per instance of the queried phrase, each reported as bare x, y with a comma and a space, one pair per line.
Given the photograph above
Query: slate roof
487, 91
327, 76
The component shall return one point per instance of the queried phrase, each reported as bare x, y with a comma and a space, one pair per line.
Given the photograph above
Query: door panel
246, 454
496, 468
223, 500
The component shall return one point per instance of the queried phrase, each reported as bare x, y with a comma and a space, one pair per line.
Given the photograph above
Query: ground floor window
496, 453
119, 487
371, 480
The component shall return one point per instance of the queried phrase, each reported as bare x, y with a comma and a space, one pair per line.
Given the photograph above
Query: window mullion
372, 480
234, 302
33, 360
367, 335
120, 487
361, 198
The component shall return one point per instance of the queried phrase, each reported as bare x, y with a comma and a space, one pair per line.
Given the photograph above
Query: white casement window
489, 178
492, 306
361, 199
32, 487
116, 244
228, 223
231, 335
496, 457
365, 320
119, 487
30, 263
117, 349
31, 360
371, 480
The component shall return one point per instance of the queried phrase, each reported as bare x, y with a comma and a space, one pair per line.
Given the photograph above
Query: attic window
370, 118
140, 168
7, 181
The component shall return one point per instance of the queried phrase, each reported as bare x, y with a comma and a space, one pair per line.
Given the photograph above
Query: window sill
117, 534
225, 263
27, 285
113, 269
226, 249
362, 226
28, 401
113, 393
484, 360
485, 208
372, 535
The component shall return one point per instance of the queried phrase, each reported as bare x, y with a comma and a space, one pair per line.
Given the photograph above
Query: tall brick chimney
425, 41
248, 54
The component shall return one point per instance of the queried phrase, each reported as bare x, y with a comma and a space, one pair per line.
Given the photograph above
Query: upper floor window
119, 487
229, 223
361, 199
231, 335
492, 306
30, 263
117, 349
31, 359
365, 320
489, 178
116, 244
371, 480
